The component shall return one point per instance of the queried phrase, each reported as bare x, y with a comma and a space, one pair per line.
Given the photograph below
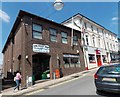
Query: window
71, 61
108, 45
99, 43
93, 41
87, 42
104, 58
66, 62
85, 25
64, 37
91, 27
75, 40
97, 30
53, 35
37, 31
91, 58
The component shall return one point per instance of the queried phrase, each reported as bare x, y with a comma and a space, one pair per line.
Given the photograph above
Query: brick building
36, 44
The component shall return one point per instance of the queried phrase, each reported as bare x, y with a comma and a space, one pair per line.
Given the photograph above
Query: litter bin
33, 79
46, 74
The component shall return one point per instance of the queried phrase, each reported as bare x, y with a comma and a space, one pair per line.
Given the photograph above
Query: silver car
107, 78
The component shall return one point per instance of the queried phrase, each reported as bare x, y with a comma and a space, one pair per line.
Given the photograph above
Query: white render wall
106, 37
105, 40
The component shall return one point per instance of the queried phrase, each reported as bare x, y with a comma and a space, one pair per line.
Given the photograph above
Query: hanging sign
41, 48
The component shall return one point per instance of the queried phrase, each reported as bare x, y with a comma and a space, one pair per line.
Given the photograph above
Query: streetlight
58, 4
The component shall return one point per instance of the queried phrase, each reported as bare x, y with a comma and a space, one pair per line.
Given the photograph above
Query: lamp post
58, 5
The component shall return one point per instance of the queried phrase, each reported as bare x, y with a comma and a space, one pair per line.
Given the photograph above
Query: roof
78, 14
18, 20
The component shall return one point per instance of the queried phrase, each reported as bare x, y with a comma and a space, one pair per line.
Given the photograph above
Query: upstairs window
99, 42
85, 25
53, 35
75, 40
86, 37
97, 30
91, 27
64, 37
37, 31
93, 41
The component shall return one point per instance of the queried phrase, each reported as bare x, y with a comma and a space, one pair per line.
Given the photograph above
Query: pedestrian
17, 79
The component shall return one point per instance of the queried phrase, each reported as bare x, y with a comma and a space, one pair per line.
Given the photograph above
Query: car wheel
98, 91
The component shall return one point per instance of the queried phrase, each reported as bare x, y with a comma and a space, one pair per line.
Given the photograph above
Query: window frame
75, 40
35, 31
53, 35
62, 37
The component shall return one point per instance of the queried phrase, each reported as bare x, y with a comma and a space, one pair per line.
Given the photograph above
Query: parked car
107, 78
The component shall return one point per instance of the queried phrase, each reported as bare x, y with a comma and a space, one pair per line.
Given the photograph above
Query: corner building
36, 44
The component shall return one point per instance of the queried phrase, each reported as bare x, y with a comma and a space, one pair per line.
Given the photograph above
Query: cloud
114, 18
4, 16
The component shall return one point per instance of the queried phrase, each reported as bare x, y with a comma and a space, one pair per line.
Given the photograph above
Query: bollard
54, 76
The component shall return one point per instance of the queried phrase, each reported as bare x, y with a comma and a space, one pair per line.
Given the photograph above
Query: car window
109, 70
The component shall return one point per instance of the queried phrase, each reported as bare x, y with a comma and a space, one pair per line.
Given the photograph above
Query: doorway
99, 62
40, 66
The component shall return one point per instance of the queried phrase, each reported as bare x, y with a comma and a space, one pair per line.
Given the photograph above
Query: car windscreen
115, 70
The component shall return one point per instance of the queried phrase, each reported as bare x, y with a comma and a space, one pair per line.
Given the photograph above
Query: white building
100, 45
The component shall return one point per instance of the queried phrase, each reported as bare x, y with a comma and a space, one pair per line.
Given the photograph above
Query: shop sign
98, 52
71, 56
41, 48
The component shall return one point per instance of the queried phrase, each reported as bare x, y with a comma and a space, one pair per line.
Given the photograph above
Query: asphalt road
83, 85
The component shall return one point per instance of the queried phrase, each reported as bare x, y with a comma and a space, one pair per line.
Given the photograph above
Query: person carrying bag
17, 79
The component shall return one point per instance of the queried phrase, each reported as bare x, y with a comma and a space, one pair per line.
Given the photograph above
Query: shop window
37, 31
75, 62
71, 61
91, 58
53, 35
66, 62
104, 58
64, 37
75, 40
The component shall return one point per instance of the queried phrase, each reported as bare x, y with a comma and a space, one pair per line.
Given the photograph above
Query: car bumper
114, 87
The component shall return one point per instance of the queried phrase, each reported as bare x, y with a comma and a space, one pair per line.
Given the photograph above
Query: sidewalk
42, 85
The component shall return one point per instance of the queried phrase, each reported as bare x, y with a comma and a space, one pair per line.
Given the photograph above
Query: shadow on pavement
107, 94
7, 83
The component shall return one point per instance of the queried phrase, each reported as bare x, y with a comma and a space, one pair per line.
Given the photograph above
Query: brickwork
23, 42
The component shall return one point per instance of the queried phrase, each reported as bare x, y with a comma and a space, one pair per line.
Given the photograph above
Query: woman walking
17, 79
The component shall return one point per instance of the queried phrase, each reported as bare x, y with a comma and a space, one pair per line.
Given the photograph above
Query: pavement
42, 85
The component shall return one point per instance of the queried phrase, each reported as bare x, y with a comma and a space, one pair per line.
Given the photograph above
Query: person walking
17, 79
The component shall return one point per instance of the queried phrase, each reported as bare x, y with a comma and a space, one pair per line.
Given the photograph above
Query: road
82, 85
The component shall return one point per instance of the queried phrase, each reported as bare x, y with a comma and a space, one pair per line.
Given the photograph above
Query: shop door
99, 63
40, 66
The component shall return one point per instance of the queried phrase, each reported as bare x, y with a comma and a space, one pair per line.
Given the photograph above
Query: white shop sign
41, 48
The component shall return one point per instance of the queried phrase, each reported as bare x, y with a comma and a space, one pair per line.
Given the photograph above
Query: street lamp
58, 4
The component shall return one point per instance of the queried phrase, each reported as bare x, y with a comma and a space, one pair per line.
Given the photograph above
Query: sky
103, 13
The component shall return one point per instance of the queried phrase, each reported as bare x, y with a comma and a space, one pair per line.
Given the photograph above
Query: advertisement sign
41, 48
